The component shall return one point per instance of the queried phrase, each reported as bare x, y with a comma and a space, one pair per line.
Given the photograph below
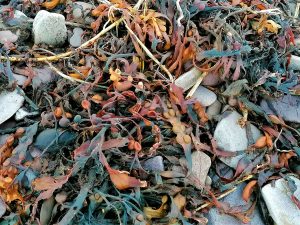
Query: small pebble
75, 40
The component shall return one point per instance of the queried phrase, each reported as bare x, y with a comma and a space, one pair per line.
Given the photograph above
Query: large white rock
230, 136
10, 102
205, 96
279, 203
49, 28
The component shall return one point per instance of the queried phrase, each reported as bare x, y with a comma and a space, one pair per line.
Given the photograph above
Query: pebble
231, 137
214, 109
6, 36
288, 107
278, 200
43, 75
49, 28
154, 164
200, 167
211, 79
205, 96
22, 113
46, 139
81, 10
294, 63
12, 102
234, 199
75, 40
20, 79
188, 79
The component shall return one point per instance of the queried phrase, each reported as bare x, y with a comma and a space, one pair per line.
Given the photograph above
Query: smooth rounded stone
235, 200
42, 76
211, 79
214, 109
205, 96
49, 28
279, 203
20, 79
46, 139
288, 107
75, 40
81, 10
200, 167
154, 164
6, 36
188, 79
294, 63
12, 102
230, 136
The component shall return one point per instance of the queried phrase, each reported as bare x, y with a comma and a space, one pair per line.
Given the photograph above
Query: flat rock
234, 199
214, 109
230, 136
49, 28
10, 102
205, 96
288, 107
188, 79
279, 203
200, 166
154, 164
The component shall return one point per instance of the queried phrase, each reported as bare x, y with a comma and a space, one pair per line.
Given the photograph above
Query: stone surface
200, 167
20, 78
279, 203
154, 164
214, 109
205, 96
294, 63
6, 36
234, 199
211, 79
75, 40
288, 107
188, 79
46, 139
230, 136
22, 113
10, 102
81, 10
49, 28
42, 76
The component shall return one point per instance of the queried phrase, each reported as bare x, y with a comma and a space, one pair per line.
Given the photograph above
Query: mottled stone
49, 28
